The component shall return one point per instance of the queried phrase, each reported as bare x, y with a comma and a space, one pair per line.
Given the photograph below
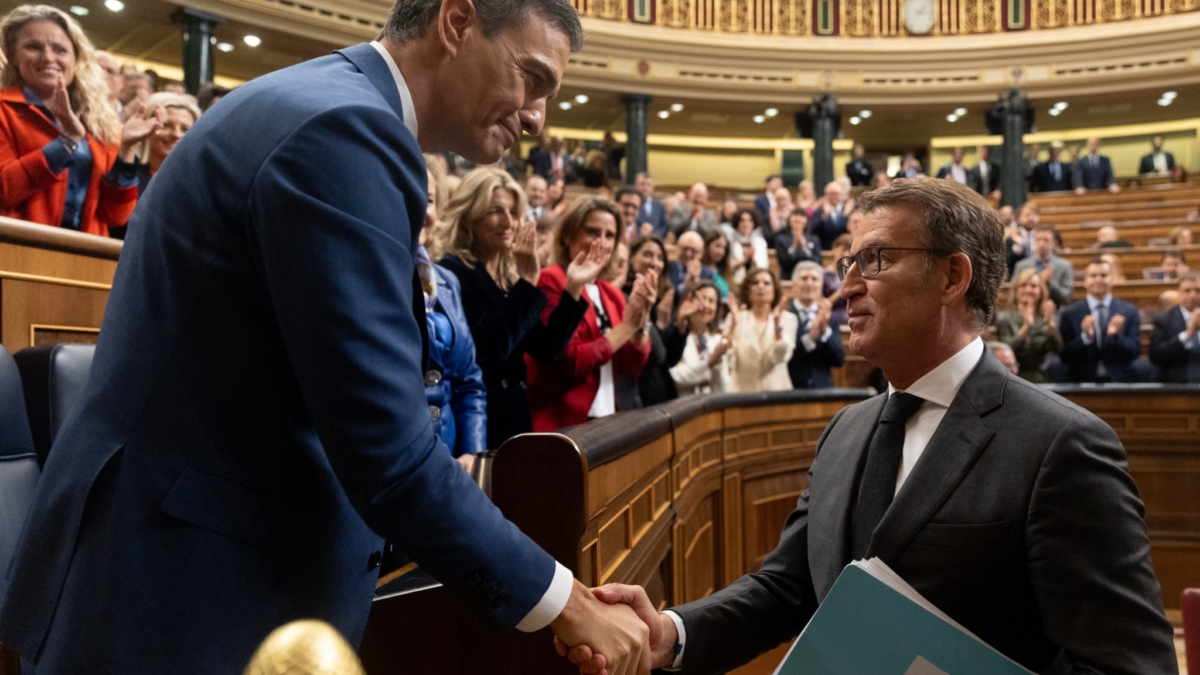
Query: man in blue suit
1094, 171
652, 212
1101, 334
765, 203
255, 422
819, 337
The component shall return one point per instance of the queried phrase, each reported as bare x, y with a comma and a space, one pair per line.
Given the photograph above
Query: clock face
919, 16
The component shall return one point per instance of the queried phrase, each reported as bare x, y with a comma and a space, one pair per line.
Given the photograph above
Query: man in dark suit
819, 335
1094, 171
694, 214
653, 211
1158, 161
1174, 347
549, 162
985, 176
1101, 334
765, 203
956, 171
1006, 506
858, 170
687, 268
1053, 175
255, 421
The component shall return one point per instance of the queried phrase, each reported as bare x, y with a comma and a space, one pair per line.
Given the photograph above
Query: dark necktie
878, 484
1101, 324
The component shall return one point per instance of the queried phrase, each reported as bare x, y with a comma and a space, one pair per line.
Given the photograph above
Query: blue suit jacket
1118, 352
763, 205
812, 370
657, 217
255, 421
1091, 177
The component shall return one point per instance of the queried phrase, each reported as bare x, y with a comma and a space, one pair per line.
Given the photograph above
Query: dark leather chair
53, 378
18, 463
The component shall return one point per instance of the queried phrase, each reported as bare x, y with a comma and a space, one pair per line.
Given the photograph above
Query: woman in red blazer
609, 341
64, 158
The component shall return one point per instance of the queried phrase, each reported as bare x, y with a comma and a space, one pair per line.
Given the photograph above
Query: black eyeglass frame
843, 264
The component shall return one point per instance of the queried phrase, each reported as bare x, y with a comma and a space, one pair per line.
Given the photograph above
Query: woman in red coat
64, 158
609, 341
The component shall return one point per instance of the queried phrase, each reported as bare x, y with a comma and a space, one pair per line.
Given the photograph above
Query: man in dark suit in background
1053, 175
858, 170
1101, 334
1174, 347
819, 335
956, 171
985, 175
765, 203
255, 422
694, 214
653, 211
1006, 506
1094, 171
1158, 161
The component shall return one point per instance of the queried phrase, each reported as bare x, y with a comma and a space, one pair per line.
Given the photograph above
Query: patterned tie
878, 484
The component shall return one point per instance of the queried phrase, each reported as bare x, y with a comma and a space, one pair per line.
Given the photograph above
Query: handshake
614, 630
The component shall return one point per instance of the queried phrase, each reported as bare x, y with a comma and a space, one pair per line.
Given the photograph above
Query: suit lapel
835, 480
364, 56
959, 440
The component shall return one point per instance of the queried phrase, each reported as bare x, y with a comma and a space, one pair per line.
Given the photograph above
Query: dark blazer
763, 205
1020, 521
506, 326
1097, 177
993, 179
789, 256
655, 213
947, 171
677, 274
827, 227
859, 172
1118, 352
254, 423
1146, 165
1176, 363
1042, 178
812, 370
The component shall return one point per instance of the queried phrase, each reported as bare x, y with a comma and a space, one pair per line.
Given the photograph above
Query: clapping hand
689, 306
820, 322
693, 273
1088, 326
524, 251
60, 106
1193, 325
665, 304
662, 632
139, 128
588, 265
647, 229
1115, 324
1048, 313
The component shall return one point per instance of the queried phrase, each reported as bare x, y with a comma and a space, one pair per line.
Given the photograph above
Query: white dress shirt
555, 598
1183, 338
807, 315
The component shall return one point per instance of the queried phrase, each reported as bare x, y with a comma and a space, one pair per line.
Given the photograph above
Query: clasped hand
661, 636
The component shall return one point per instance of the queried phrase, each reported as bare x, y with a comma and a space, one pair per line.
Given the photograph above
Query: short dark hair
772, 177
209, 93
1046, 228
1175, 253
627, 190
744, 291
755, 217
953, 217
409, 19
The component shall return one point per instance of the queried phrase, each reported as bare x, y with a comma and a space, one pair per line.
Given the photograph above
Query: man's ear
453, 20
959, 273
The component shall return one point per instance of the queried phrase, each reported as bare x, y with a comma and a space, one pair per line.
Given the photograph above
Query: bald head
691, 247
698, 194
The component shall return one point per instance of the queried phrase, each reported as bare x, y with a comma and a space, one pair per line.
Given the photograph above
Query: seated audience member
611, 340
703, 367
458, 391
747, 246
1174, 347
1019, 244
1167, 300
653, 212
955, 170
556, 197
1157, 161
795, 244
1179, 175
806, 196
65, 160
763, 334
618, 267
1107, 237
1180, 236
209, 94
1094, 171
1029, 325
112, 75
779, 215
1053, 175
881, 180
985, 176
717, 258
1004, 354
630, 202
687, 267
1055, 272
485, 242
829, 220
819, 336
535, 198
692, 215
833, 283
765, 203
729, 209
549, 162
1173, 265
857, 169
1101, 334
1118, 273
654, 385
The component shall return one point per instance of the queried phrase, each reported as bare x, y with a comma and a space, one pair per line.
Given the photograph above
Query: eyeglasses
870, 260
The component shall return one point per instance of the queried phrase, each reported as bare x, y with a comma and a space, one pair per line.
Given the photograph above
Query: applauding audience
1029, 326
65, 160
794, 244
1174, 347
703, 367
764, 336
1101, 334
819, 337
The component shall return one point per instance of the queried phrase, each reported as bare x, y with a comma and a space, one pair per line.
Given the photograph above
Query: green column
823, 115
635, 134
1012, 171
198, 44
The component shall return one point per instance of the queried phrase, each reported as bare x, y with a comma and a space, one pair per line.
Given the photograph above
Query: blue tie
1101, 323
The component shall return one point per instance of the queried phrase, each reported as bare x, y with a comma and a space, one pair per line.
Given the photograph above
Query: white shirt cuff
810, 344
1187, 344
680, 641
1087, 340
552, 603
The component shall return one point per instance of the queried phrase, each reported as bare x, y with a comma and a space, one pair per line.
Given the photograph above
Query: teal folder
873, 623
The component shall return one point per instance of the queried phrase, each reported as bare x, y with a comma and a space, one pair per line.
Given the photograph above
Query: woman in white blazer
764, 336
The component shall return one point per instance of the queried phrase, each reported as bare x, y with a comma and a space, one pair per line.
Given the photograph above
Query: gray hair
807, 265
409, 19
952, 217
